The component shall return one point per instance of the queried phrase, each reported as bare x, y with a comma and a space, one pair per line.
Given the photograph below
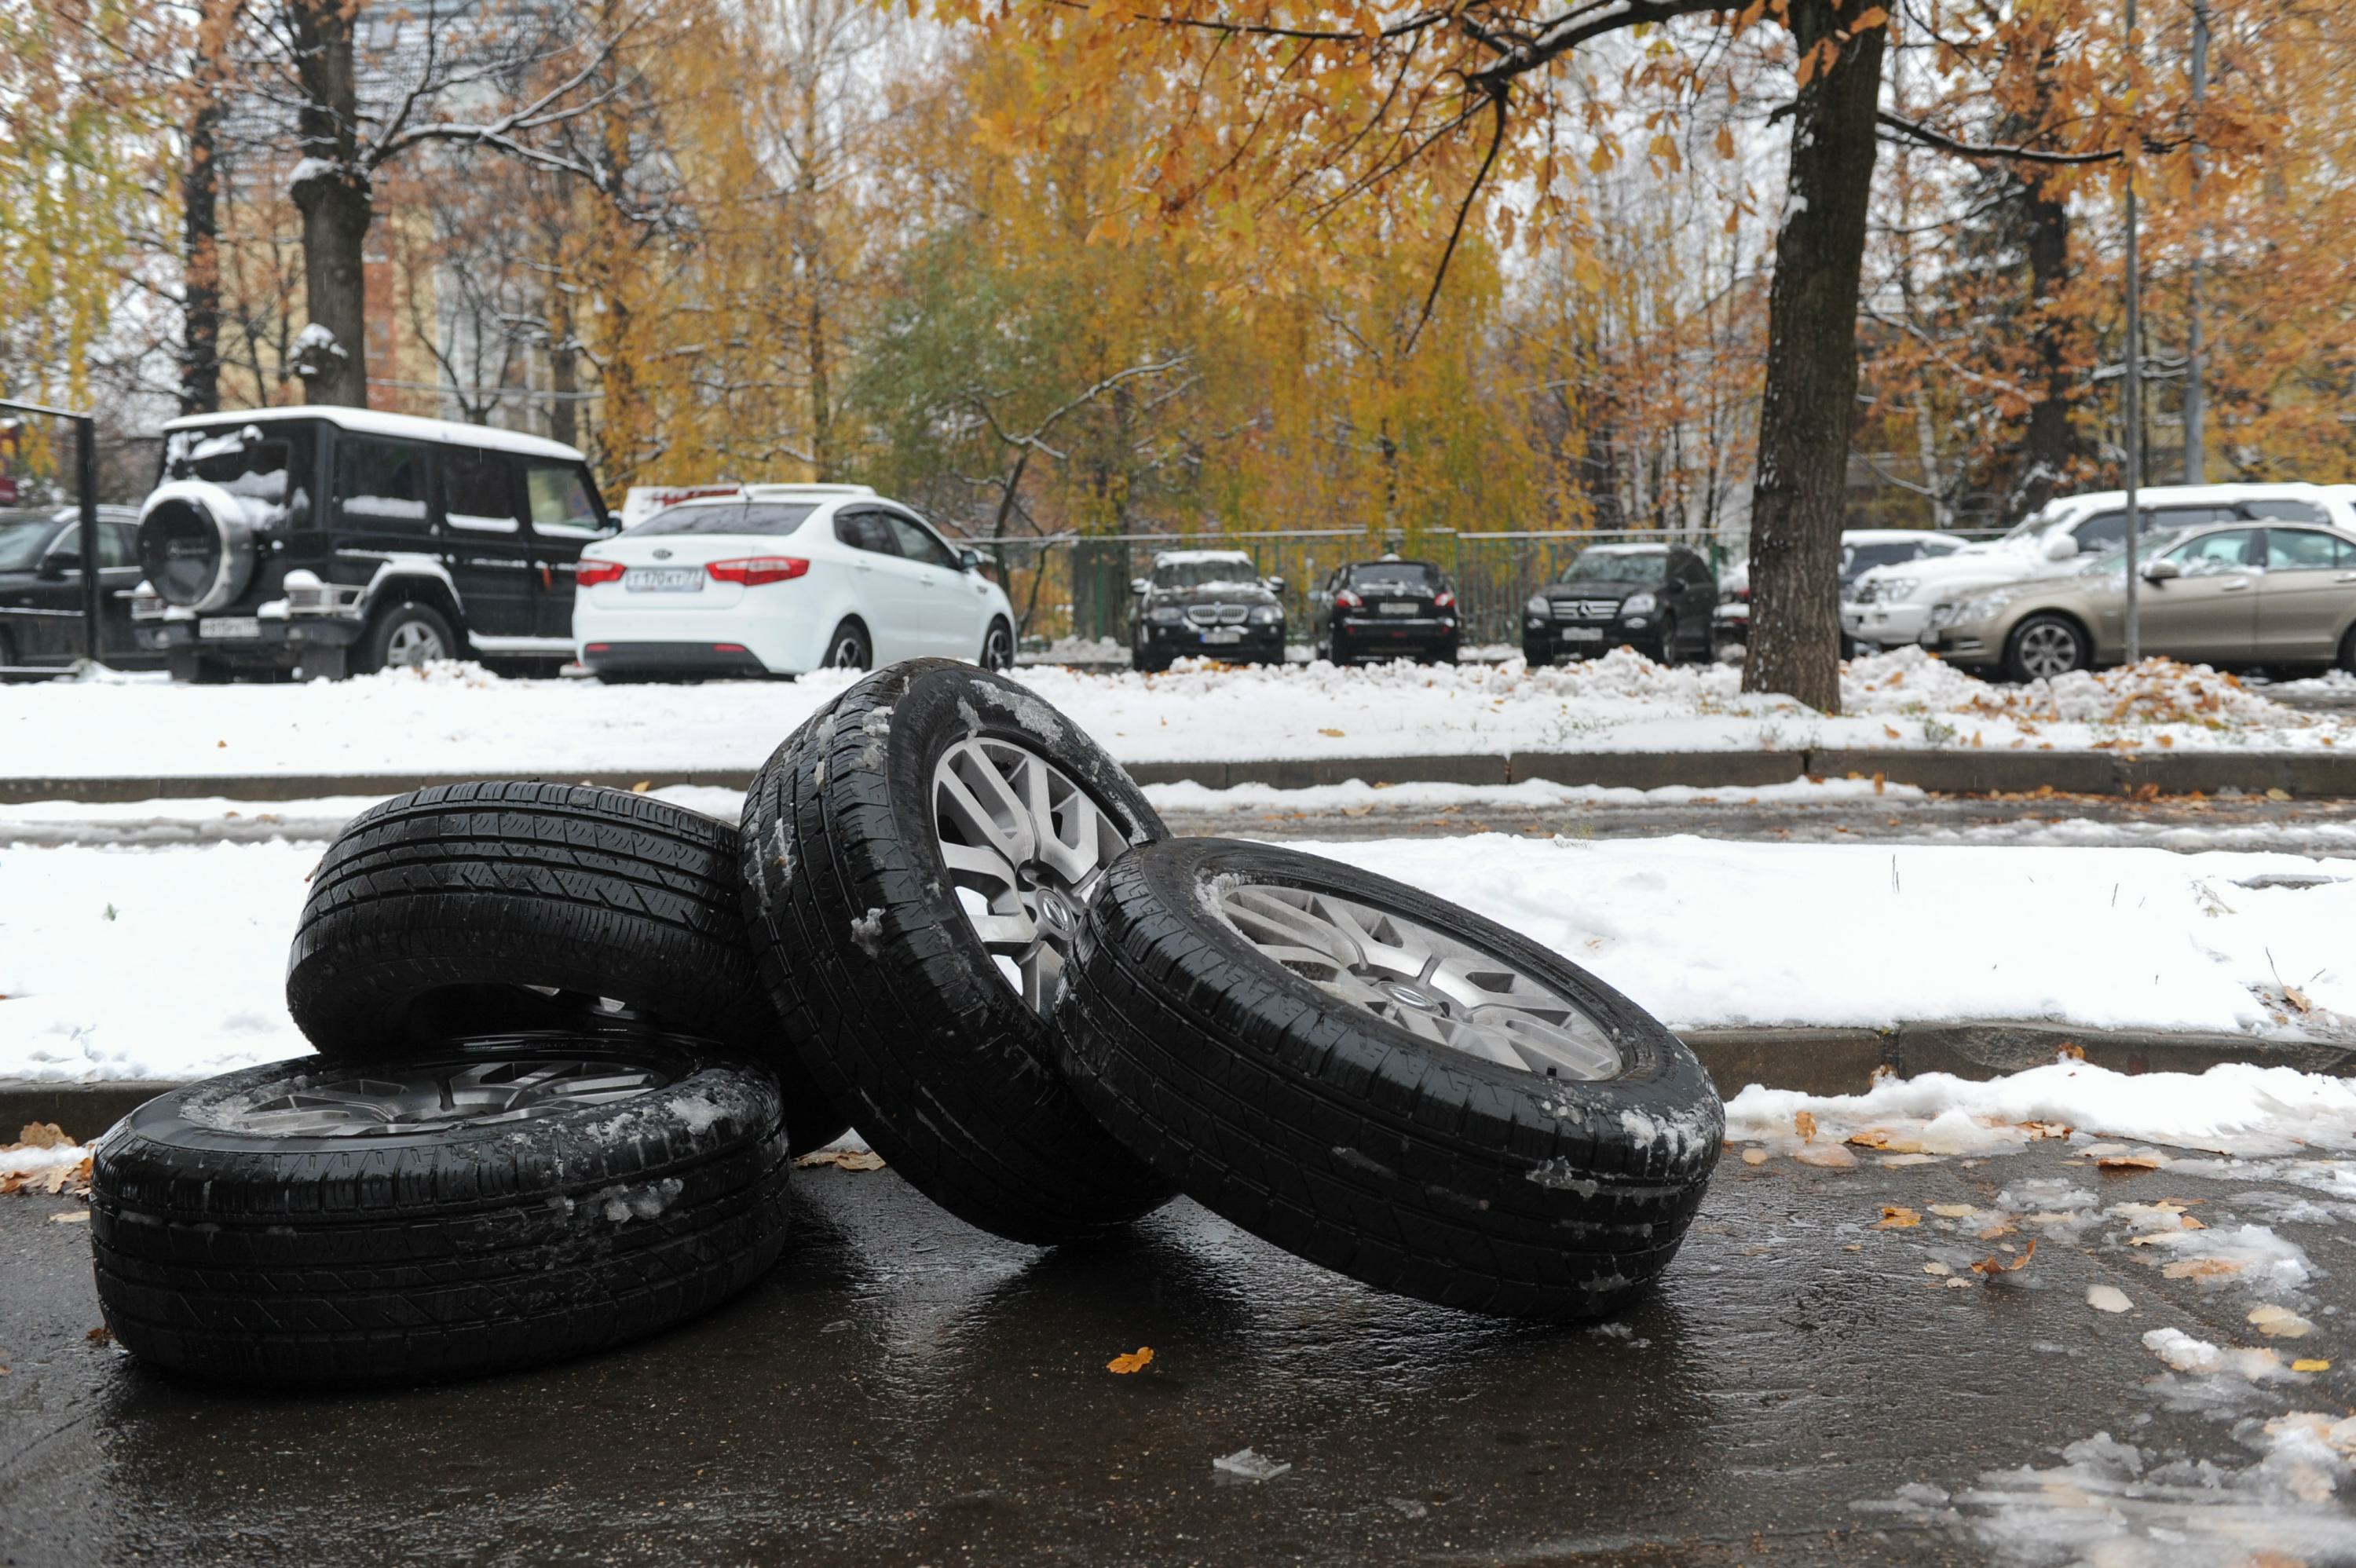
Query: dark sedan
1656, 599
1385, 609
40, 589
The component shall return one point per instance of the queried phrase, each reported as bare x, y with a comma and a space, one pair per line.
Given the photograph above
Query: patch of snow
1250, 1464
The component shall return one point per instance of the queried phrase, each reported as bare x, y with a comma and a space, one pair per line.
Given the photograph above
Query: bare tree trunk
332, 191
200, 318
2049, 445
821, 406
1809, 402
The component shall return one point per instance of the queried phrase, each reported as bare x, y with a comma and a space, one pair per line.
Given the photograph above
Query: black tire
437, 912
2023, 651
187, 668
1536, 658
1671, 654
2347, 659
1346, 1139
899, 1010
850, 648
1146, 663
998, 645
394, 630
446, 1252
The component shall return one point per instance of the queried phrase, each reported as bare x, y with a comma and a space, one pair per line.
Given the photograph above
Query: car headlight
1266, 614
1538, 606
1164, 616
1894, 588
1945, 612
1638, 604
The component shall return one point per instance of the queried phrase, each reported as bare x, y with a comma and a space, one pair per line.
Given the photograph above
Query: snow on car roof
1627, 550
400, 427
1200, 556
1893, 536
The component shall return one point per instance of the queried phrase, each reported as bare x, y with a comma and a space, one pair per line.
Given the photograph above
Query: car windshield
769, 518
1417, 576
1203, 571
20, 541
239, 461
2114, 560
1618, 566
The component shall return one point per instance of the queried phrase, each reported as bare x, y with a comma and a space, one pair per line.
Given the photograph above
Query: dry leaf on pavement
1954, 1211
1897, 1217
841, 1160
2310, 1364
1993, 1265
1830, 1157
1135, 1362
1805, 1121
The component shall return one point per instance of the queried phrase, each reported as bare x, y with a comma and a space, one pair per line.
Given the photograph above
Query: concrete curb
2307, 775
1812, 1061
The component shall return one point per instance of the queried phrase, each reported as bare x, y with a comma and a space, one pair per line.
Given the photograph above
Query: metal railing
1078, 586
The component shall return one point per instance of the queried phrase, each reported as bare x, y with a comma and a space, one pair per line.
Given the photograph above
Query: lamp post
2133, 399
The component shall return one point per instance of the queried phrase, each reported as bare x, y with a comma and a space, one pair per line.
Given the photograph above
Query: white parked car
1862, 549
763, 580
1891, 605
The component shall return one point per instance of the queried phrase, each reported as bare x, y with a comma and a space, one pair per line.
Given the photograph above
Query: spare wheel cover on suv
195, 544
930, 789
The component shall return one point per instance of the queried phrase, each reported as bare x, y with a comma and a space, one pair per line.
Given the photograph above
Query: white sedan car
781, 579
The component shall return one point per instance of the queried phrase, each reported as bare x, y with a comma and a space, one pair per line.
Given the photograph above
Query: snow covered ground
459, 718
163, 963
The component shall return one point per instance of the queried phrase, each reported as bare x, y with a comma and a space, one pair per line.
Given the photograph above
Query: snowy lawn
123, 962
458, 719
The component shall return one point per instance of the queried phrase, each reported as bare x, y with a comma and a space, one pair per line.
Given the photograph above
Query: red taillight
1443, 600
593, 572
1348, 600
728, 648
753, 571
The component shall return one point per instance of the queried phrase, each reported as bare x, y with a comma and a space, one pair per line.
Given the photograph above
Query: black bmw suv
1385, 609
325, 542
1654, 598
1213, 602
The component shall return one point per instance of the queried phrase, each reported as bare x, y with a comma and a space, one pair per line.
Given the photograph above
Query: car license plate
1582, 634
664, 580
1396, 607
229, 626
1224, 634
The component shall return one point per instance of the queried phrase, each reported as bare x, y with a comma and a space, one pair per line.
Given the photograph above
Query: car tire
998, 645
460, 908
1536, 658
2347, 659
899, 1010
848, 647
1144, 664
233, 1246
1354, 1142
2044, 647
405, 634
1670, 654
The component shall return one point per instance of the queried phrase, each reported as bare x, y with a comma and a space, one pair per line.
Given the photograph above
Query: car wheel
1383, 1084
402, 636
998, 646
480, 1206
2044, 647
1536, 658
914, 864
464, 908
2348, 651
849, 647
1670, 653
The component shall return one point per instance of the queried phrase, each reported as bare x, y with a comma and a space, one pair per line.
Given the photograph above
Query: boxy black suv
1656, 599
40, 591
328, 541
1385, 609
1213, 602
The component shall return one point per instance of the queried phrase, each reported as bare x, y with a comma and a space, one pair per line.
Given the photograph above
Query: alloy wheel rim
2047, 651
1025, 846
846, 655
413, 643
381, 1101
996, 656
1438, 988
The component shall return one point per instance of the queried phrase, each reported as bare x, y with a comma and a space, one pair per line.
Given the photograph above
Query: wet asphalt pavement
903, 1390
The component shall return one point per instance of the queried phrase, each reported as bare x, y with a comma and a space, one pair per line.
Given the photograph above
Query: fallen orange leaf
1136, 1360
1998, 1265
2311, 1365
1897, 1217
1805, 1121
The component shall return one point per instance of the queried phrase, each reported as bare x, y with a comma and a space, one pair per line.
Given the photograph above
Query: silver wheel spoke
1024, 845
1437, 987
431, 1096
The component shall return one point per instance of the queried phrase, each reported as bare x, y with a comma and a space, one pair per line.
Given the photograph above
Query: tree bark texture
334, 201
200, 315
1809, 406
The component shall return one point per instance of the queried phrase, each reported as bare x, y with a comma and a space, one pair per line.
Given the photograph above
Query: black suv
328, 541
40, 589
1656, 599
1207, 601
1385, 609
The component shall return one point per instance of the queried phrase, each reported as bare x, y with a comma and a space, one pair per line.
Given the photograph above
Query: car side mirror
1274, 584
968, 561
1138, 586
56, 563
2061, 547
2162, 571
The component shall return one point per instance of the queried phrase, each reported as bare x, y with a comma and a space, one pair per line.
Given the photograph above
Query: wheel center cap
1057, 914
1408, 997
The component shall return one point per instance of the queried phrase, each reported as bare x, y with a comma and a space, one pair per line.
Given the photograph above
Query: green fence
1080, 587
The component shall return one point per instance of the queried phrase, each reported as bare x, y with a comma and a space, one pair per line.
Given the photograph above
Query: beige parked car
2224, 594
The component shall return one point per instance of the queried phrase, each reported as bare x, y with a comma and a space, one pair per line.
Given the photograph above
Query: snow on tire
914, 862
1385, 1084
476, 907
488, 1205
